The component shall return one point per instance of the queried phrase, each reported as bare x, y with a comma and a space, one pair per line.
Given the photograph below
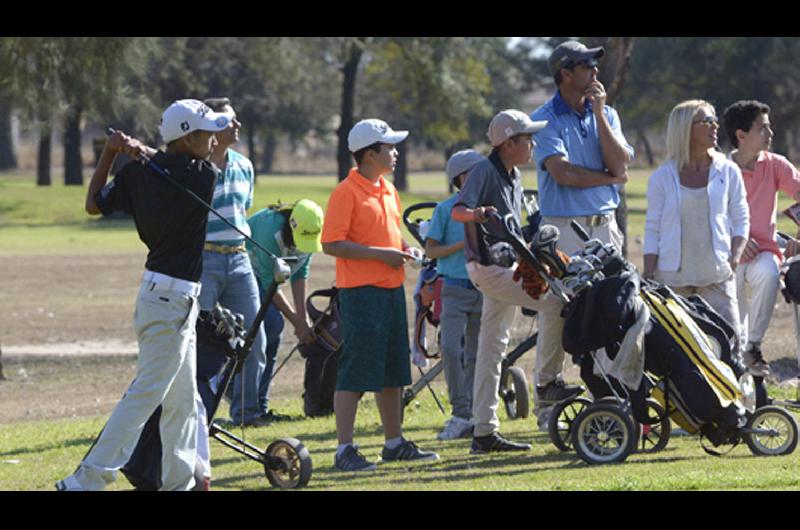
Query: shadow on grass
86, 441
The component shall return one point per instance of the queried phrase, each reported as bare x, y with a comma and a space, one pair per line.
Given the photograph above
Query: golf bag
216, 349
319, 382
428, 301
699, 389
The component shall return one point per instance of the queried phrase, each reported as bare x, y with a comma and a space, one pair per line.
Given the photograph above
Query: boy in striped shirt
228, 276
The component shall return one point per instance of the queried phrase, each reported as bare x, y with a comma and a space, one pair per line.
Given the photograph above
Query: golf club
164, 173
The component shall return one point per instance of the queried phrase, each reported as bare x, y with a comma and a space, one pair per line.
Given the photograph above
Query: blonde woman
697, 217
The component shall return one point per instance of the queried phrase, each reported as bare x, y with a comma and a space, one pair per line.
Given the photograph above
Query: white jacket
728, 213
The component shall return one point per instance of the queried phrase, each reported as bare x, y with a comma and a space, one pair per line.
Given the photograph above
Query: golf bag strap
419, 326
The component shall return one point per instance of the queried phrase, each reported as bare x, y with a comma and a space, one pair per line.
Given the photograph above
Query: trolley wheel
515, 394
783, 438
603, 434
562, 417
654, 437
296, 471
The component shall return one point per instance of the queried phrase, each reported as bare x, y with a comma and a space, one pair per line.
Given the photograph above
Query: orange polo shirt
770, 174
369, 215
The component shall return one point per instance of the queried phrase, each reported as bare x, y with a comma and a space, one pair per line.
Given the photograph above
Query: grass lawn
34, 455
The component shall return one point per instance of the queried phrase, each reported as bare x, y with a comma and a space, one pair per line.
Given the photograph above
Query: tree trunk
623, 48
43, 177
73, 166
622, 219
401, 170
7, 158
270, 146
354, 52
648, 150
251, 150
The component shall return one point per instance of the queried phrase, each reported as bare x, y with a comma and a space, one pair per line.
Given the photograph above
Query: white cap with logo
511, 122
368, 132
187, 115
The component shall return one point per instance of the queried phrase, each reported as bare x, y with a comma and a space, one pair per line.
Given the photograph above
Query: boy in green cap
285, 230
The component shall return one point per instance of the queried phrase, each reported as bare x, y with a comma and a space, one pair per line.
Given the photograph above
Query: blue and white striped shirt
233, 195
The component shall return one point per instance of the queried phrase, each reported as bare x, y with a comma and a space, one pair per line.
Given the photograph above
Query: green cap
306, 223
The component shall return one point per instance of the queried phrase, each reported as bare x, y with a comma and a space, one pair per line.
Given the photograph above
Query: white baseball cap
188, 115
509, 123
368, 132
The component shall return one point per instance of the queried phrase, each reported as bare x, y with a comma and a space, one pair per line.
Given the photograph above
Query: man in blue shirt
582, 160
461, 301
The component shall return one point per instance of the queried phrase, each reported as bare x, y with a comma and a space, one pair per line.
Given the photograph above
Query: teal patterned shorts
376, 353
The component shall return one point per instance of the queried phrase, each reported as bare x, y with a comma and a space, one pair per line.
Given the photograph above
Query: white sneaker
455, 428
69, 484
543, 419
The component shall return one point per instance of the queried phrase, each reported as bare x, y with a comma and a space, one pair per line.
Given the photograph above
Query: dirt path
68, 347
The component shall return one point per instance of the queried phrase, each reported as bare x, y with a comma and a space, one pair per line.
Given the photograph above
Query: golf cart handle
579, 230
412, 226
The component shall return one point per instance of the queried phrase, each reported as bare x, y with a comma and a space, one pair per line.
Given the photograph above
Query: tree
8, 159
433, 86
352, 50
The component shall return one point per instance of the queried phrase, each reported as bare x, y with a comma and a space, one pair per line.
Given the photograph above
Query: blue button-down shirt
574, 136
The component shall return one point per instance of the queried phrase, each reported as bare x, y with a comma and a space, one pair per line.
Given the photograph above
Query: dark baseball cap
570, 52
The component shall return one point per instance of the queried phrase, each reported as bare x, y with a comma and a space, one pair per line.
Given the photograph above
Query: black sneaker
407, 450
755, 363
492, 443
557, 391
351, 459
271, 415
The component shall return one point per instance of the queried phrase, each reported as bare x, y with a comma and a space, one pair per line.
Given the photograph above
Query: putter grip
578, 229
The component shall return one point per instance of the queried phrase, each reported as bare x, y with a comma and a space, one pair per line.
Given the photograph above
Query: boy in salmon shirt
764, 173
362, 230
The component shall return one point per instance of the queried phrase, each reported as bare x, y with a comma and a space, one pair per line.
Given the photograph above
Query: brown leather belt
224, 249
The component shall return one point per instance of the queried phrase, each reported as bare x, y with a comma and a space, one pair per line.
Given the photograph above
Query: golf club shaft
164, 173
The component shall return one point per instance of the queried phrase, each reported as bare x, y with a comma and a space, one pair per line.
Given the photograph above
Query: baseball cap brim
308, 244
535, 126
395, 137
215, 121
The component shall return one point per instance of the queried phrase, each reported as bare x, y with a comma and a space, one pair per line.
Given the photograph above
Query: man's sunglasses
588, 63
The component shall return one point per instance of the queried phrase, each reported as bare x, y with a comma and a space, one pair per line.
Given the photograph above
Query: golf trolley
286, 461
606, 430
513, 384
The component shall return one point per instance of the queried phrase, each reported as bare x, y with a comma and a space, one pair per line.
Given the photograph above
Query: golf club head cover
544, 248
532, 281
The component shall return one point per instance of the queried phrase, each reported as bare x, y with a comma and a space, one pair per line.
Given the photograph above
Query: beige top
699, 267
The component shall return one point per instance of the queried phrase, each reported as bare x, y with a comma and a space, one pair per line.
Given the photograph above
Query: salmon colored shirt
770, 174
369, 215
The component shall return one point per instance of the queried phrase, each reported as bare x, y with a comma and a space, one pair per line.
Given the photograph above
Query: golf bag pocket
319, 381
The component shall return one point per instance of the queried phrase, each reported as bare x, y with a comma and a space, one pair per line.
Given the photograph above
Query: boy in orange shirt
362, 230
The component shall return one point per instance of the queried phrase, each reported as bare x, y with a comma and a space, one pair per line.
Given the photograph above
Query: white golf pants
760, 279
164, 321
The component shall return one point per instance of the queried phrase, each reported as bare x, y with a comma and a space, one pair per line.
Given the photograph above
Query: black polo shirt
170, 222
489, 184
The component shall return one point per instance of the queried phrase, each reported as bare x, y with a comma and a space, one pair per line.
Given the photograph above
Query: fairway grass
34, 455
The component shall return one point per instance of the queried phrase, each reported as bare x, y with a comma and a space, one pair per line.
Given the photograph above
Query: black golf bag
215, 354
319, 382
699, 390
